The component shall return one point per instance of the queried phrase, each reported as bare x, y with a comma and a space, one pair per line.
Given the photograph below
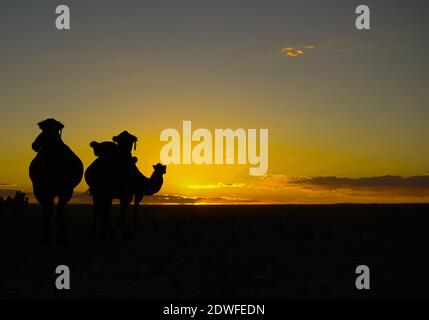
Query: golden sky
344, 108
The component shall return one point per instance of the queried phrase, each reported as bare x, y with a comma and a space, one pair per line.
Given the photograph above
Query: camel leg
119, 222
124, 208
138, 198
103, 223
93, 230
106, 226
109, 227
47, 211
105, 213
61, 223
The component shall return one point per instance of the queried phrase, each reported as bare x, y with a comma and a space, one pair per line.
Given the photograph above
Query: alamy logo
63, 280
62, 22
363, 20
179, 150
362, 281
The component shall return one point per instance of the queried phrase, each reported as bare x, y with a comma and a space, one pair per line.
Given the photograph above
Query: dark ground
225, 252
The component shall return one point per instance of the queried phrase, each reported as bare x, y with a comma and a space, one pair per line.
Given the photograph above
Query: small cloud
195, 200
295, 51
291, 54
218, 185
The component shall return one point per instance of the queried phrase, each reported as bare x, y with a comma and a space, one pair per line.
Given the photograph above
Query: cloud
388, 187
280, 188
7, 185
218, 185
393, 185
378, 188
292, 52
168, 199
182, 199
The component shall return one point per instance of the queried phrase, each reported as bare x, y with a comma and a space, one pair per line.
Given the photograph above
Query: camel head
126, 140
50, 135
159, 169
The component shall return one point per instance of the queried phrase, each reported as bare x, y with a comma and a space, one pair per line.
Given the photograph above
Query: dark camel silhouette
55, 172
147, 186
112, 176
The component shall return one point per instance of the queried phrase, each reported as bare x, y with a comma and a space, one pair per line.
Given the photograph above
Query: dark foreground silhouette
226, 252
54, 172
114, 175
18, 202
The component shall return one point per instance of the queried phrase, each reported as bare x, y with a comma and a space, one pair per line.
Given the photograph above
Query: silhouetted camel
55, 172
147, 186
111, 176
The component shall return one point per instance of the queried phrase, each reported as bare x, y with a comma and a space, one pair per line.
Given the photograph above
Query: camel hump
103, 149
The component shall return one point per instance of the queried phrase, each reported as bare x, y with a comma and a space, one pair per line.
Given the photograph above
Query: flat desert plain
224, 252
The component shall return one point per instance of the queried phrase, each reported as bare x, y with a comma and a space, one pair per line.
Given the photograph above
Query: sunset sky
350, 109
